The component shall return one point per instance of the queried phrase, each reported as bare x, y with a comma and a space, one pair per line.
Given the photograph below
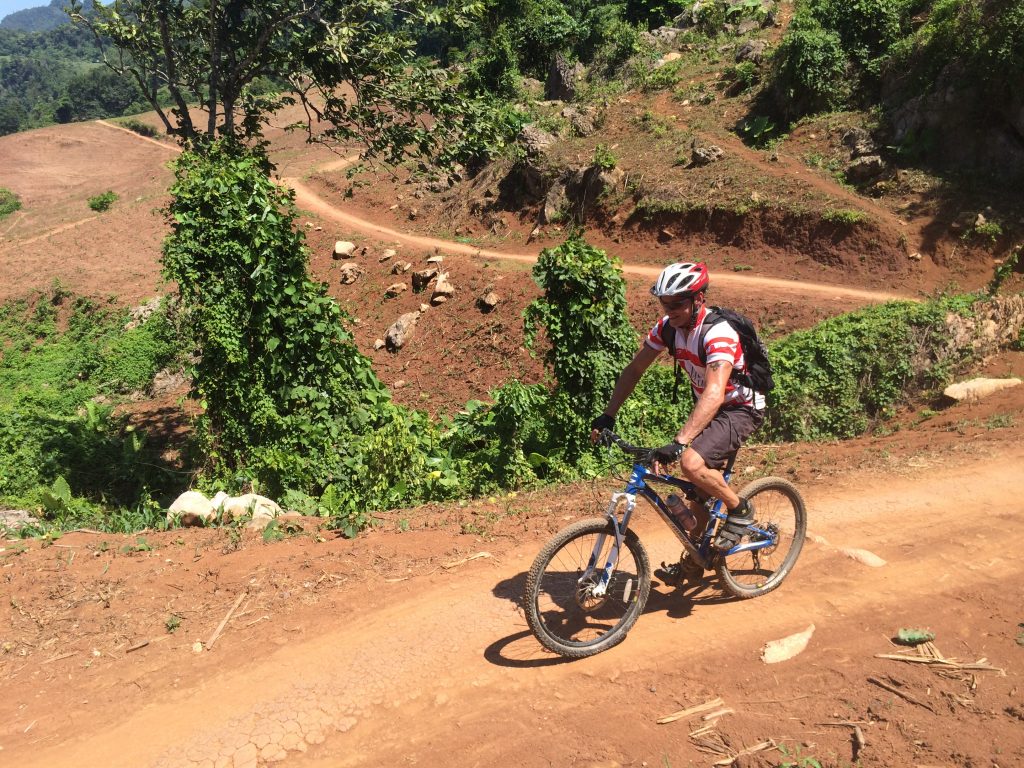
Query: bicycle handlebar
644, 455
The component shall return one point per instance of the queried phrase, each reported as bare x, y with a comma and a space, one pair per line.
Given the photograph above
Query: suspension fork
619, 526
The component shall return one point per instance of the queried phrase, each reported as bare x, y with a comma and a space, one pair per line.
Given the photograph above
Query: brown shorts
726, 433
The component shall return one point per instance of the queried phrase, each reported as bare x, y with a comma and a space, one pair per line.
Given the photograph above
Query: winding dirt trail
310, 201
438, 669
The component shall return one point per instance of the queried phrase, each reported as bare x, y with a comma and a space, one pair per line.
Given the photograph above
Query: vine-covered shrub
590, 340
810, 69
283, 388
834, 379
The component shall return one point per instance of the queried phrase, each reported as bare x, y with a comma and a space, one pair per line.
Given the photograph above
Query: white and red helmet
682, 279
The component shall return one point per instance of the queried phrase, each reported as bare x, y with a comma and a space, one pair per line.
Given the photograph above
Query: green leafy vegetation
240, 64
64, 363
291, 407
834, 379
9, 202
837, 54
604, 158
795, 758
52, 76
139, 127
103, 202
843, 216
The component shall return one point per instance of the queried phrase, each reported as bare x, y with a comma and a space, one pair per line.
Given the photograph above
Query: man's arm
711, 399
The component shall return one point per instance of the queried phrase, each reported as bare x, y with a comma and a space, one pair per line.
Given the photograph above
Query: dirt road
434, 666
310, 201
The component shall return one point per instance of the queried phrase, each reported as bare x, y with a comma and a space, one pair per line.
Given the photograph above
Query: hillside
407, 644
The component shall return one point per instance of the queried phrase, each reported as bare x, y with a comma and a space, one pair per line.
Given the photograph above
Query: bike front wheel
565, 606
780, 517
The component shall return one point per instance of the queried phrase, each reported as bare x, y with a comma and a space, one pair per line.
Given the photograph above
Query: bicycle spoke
779, 519
571, 615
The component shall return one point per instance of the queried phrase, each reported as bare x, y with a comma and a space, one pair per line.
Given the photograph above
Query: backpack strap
668, 335
712, 317
715, 315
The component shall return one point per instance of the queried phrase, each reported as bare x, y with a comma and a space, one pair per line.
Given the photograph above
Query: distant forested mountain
56, 77
40, 19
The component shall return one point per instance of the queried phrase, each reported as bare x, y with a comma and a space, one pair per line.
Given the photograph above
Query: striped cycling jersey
721, 342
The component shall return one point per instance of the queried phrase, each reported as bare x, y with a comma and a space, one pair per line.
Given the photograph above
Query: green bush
495, 68
604, 158
810, 70
101, 203
583, 314
834, 379
62, 448
139, 127
9, 202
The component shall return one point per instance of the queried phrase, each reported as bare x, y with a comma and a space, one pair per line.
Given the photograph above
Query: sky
10, 6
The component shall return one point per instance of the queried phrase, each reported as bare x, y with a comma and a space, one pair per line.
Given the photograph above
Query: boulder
664, 35
140, 314
400, 267
533, 88
581, 120
975, 389
291, 519
534, 140
556, 203
859, 143
488, 301
248, 504
562, 78
701, 156
343, 249
191, 508
350, 272
167, 381
443, 289
751, 50
13, 519
396, 289
421, 279
401, 331
866, 168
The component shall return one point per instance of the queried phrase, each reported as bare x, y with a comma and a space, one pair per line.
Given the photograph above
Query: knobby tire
557, 606
777, 503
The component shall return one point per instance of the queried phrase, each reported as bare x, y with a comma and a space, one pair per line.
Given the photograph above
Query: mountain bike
590, 583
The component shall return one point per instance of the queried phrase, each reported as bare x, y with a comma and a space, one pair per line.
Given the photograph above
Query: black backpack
758, 375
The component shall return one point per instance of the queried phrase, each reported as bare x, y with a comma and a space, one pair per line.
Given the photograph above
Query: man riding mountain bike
725, 412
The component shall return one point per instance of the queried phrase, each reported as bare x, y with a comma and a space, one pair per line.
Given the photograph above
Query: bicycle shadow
522, 651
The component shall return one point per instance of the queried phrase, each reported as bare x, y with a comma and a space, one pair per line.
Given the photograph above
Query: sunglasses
671, 306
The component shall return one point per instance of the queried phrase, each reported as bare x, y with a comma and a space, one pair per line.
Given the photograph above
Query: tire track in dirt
451, 655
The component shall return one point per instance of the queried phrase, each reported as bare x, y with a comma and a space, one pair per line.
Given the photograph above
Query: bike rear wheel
780, 513
561, 607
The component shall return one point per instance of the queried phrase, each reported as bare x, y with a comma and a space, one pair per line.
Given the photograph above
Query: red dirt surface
398, 647
408, 645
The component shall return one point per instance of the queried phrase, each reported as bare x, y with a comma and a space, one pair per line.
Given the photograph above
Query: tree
351, 63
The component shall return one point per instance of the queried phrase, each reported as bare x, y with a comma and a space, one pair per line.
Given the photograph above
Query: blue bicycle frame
702, 553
